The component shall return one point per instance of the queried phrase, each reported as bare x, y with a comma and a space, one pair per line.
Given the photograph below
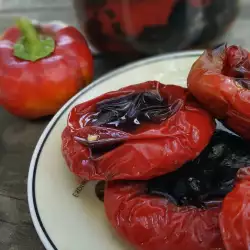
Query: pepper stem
31, 46
30, 35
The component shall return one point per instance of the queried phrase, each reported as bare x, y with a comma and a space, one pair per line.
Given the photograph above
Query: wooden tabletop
19, 137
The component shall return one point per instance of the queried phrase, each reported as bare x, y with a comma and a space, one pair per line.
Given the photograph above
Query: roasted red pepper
41, 67
155, 223
181, 210
137, 132
220, 80
234, 219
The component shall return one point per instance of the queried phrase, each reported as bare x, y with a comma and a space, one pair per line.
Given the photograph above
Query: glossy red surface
151, 150
35, 89
215, 80
150, 222
235, 219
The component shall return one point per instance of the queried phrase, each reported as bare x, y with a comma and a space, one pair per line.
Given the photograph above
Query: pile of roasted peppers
175, 160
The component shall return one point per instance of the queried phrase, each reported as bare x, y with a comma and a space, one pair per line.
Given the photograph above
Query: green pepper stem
30, 34
31, 46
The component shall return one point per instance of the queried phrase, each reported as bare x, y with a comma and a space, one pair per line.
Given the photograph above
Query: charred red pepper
180, 210
137, 132
220, 80
234, 219
41, 67
150, 222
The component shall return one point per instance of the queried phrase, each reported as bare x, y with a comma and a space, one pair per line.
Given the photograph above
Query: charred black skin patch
127, 112
208, 178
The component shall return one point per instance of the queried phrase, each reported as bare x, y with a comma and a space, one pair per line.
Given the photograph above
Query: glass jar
153, 26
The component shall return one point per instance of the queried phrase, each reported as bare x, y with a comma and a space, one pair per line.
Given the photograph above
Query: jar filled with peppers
150, 27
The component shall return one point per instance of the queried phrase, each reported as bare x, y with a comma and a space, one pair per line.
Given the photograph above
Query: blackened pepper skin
127, 113
209, 177
130, 111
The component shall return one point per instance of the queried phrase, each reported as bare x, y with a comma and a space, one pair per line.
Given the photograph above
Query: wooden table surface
19, 137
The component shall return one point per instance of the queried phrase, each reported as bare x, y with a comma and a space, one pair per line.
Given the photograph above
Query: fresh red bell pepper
220, 80
41, 67
96, 146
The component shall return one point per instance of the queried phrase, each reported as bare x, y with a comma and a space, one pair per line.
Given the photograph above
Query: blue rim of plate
39, 226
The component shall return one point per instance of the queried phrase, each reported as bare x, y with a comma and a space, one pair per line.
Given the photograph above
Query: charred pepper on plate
220, 80
234, 219
138, 132
172, 180
41, 67
181, 209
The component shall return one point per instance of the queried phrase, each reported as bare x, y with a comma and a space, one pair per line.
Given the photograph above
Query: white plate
66, 222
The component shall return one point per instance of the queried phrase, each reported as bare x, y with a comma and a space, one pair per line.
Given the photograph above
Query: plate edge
41, 231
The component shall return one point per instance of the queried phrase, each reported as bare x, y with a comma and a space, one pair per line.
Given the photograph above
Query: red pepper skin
35, 89
152, 150
149, 222
220, 93
234, 219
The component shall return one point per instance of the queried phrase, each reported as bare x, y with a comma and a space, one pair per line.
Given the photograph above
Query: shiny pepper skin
35, 89
219, 80
167, 213
151, 150
235, 219
155, 223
